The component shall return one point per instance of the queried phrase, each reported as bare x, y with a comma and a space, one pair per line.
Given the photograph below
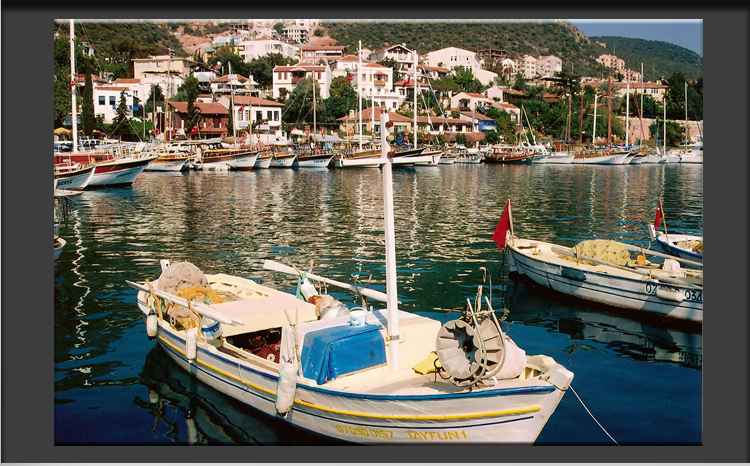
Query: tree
191, 89
279, 27
121, 123
299, 103
391, 63
466, 81
261, 68
87, 105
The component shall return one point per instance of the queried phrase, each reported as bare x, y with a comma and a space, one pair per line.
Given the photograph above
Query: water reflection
230, 222
185, 411
628, 334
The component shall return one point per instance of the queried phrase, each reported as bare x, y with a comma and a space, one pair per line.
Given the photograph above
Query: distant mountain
658, 58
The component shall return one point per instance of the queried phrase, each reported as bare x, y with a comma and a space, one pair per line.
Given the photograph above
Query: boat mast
640, 111
593, 138
415, 100
627, 115
580, 131
234, 111
665, 123
359, 93
73, 82
609, 110
315, 121
687, 128
250, 107
390, 245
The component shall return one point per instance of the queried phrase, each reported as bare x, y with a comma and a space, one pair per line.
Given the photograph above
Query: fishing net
602, 249
185, 280
693, 245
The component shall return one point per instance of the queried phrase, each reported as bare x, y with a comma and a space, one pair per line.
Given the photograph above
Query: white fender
152, 325
286, 387
191, 343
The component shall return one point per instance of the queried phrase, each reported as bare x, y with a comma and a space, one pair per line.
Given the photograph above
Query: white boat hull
74, 180
263, 162
375, 405
602, 283
167, 166
313, 162
283, 162
472, 159
608, 159
508, 414
118, 172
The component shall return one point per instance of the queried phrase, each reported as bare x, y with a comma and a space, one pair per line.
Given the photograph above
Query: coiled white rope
592, 416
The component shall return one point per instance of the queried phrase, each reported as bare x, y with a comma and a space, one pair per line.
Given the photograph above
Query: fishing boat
283, 155
435, 154
59, 245
689, 247
264, 159
366, 158
408, 156
509, 154
462, 155
313, 159
362, 375
588, 154
73, 176
603, 271
214, 157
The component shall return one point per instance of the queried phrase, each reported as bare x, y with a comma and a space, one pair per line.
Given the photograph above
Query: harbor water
638, 378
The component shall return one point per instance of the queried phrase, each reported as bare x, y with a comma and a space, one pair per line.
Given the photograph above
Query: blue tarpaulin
332, 352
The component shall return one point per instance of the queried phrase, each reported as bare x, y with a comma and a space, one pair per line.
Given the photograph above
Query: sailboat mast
665, 123
359, 93
609, 110
234, 111
390, 246
593, 138
627, 116
415, 100
250, 107
315, 121
73, 82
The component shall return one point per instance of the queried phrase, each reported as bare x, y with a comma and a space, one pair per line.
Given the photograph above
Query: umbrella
62, 130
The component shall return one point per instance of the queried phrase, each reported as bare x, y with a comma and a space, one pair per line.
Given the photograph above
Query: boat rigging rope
592, 416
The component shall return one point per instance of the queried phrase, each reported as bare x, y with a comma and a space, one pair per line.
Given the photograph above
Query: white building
403, 56
453, 58
262, 111
254, 48
376, 83
548, 65
285, 78
107, 99
470, 100
527, 66
168, 72
297, 33
611, 61
328, 53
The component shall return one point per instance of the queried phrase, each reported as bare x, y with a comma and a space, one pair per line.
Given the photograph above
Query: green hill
658, 58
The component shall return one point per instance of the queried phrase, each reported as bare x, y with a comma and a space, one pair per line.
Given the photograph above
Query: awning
62, 130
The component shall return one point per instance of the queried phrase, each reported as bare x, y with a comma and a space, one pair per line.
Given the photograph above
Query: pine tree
121, 123
88, 119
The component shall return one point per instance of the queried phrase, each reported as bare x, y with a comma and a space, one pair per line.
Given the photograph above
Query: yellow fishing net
602, 249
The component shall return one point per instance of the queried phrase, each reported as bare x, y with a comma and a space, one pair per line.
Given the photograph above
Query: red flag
241, 108
194, 130
657, 221
408, 80
349, 77
72, 83
501, 231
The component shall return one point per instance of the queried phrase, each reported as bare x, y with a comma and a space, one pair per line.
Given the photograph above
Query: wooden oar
205, 311
279, 267
672, 280
632, 248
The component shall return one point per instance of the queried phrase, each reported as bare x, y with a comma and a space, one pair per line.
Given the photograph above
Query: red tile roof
206, 108
257, 101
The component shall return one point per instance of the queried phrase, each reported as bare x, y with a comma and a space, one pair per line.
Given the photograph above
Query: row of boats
120, 164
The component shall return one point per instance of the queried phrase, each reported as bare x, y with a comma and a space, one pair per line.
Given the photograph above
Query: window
112, 100
258, 115
101, 100
269, 114
276, 115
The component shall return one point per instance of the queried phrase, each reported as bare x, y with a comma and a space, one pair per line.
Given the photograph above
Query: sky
685, 33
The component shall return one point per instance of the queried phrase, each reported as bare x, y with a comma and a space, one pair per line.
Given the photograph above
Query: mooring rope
592, 416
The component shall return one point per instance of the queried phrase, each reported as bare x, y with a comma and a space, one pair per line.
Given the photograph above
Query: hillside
658, 58
516, 38
141, 38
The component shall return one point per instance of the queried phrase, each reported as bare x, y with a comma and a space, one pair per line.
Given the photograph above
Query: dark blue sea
638, 378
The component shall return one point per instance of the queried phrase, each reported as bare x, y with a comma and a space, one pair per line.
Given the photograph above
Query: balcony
380, 82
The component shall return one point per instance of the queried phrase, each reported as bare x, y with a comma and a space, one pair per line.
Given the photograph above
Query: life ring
156, 132
244, 134
351, 132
